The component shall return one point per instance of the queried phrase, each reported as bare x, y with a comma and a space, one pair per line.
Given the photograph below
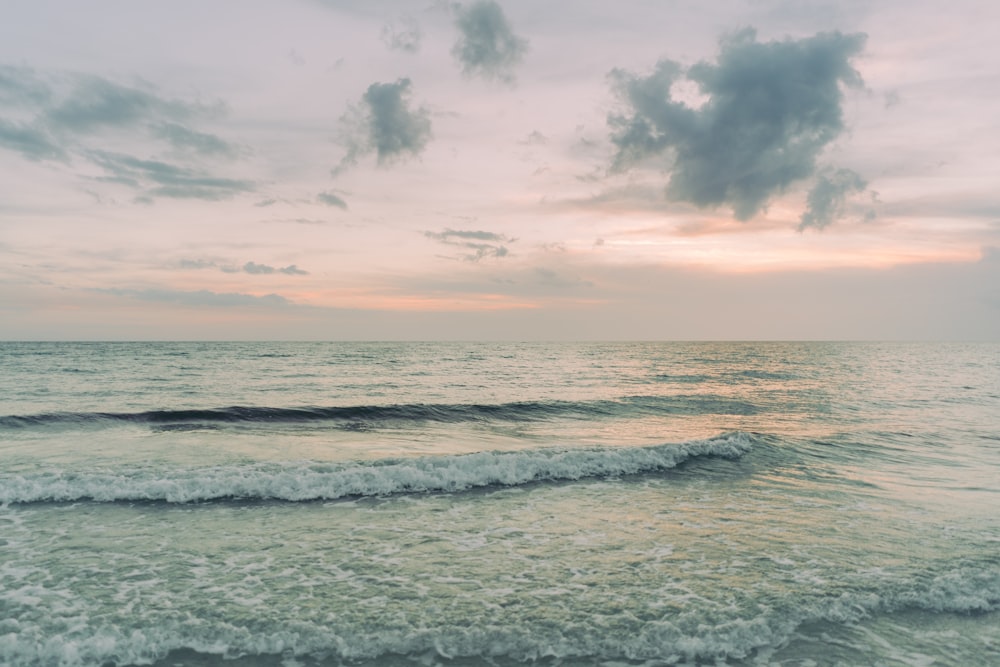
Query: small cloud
257, 269
487, 46
892, 98
331, 199
293, 270
828, 197
253, 268
769, 110
296, 58
536, 138
482, 244
402, 36
266, 202
384, 124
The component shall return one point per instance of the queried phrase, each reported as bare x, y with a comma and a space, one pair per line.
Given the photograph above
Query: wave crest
327, 481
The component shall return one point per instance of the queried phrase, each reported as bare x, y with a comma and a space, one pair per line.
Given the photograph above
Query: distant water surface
499, 504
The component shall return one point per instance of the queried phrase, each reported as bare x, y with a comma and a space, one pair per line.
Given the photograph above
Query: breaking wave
325, 481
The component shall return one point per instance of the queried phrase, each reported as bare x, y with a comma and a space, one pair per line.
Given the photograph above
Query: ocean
501, 504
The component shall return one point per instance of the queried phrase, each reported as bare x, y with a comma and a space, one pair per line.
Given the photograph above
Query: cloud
164, 179
536, 138
264, 269
828, 197
21, 86
405, 36
196, 264
331, 199
487, 46
384, 124
482, 244
770, 110
250, 267
96, 102
201, 298
57, 115
183, 138
31, 142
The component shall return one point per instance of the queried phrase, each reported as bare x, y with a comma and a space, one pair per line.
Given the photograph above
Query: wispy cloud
402, 35
163, 179
487, 46
55, 116
482, 244
771, 109
253, 268
330, 199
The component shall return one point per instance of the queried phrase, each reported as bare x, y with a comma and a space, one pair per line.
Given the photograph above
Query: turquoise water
499, 504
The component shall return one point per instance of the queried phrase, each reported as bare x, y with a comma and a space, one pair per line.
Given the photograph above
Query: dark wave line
415, 412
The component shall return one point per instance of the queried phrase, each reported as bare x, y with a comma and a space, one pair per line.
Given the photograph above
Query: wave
965, 591
393, 413
328, 481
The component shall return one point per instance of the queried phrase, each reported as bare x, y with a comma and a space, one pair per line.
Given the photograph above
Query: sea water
499, 504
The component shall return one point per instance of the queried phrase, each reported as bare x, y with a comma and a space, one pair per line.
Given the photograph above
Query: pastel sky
520, 169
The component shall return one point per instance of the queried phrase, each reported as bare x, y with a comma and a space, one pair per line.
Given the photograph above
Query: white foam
310, 481
698, 638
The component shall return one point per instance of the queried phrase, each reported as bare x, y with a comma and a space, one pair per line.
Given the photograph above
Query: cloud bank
384, 124
770, 110
487, 46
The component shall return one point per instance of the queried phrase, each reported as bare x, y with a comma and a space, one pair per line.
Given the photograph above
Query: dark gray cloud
771, 109
201, 298
482, 244
828, 198
402, 35
487, 46
331, 199
385, 124
57, 116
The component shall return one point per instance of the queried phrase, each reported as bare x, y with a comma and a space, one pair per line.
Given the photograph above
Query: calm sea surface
499, 504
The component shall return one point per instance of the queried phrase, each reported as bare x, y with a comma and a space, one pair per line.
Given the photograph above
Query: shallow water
499, 504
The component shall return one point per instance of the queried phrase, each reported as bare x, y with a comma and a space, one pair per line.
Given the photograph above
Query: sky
499, 170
